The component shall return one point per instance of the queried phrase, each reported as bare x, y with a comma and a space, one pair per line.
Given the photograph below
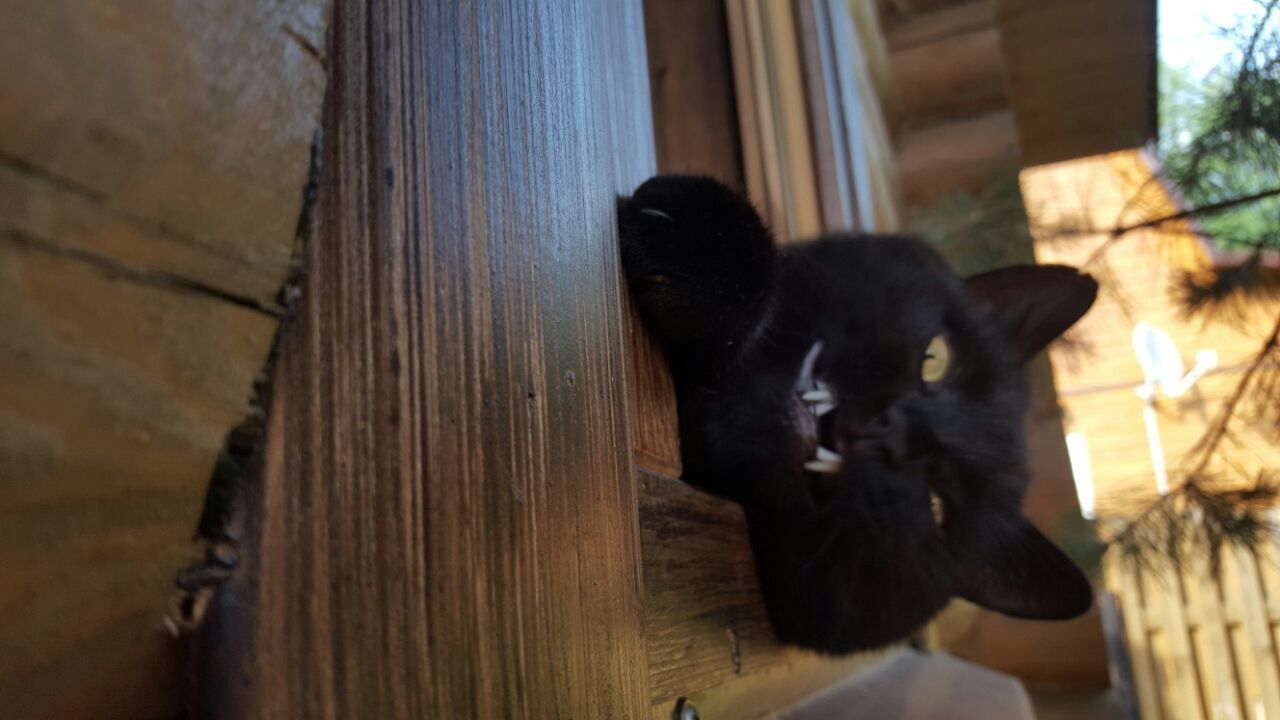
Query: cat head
899, 480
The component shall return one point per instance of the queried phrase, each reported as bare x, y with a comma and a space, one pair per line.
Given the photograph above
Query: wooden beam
706, 633
447, 520
1081, 75
953, 156
695, 117
152, 160
953, 77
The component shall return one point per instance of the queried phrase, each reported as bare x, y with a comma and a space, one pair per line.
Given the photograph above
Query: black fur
854, 560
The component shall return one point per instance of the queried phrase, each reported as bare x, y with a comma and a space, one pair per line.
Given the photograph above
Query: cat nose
883, 436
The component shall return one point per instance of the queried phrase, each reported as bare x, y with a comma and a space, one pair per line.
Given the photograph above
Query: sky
1188, 31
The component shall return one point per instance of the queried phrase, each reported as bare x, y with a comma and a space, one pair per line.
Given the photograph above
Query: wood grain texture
695, 117
447, 525
152, 159
164, 119
655, 433
706, 632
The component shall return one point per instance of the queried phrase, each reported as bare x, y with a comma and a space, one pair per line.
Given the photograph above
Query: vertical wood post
446, 526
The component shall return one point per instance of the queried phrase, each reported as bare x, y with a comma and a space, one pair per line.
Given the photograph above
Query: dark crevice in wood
143, 276
103, 201
238, 460
303, 42
240, 467
433, 579
25, 168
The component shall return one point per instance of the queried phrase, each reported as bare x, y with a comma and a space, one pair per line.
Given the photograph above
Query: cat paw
697, 257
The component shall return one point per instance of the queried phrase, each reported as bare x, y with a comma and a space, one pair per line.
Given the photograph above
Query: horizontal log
954, 156
706, 633
152, 161
955, 76
1081, 74
926, 28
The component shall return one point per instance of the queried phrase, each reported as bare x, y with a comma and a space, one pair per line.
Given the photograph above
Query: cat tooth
825, 467
818, 396
656, 213
827, 455
823, 408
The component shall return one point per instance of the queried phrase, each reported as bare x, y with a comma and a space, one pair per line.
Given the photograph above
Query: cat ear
1022, 574
1035, 303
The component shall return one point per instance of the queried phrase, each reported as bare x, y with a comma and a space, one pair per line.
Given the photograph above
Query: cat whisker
656, 213
805, 379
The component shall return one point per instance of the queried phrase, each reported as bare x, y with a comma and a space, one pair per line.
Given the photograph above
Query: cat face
863, 403
905, 463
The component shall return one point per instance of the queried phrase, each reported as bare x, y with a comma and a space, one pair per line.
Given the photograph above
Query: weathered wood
186, 126
706, 632
447, 525
695, 118
152, 160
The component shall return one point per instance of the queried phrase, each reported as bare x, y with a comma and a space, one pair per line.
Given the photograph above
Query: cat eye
937, 357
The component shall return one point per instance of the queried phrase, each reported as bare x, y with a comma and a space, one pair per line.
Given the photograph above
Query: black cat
862, 403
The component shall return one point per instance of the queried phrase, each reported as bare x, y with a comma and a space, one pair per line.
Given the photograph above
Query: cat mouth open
815, 405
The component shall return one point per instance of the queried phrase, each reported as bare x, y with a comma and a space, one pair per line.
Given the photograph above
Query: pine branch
1115, 234
1208, 443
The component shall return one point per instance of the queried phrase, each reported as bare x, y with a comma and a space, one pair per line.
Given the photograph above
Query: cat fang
868, 359
820, 400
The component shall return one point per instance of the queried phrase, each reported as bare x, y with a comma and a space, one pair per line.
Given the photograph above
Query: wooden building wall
1200, 645
988, 86
1098, 384
153, 157
1081, 75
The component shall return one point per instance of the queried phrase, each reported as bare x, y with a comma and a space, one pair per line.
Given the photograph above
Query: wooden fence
1203, 647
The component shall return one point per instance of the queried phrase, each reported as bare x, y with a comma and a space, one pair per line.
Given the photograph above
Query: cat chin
858, 630
838, 604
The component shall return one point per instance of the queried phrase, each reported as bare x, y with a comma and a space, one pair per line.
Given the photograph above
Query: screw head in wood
684, 710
